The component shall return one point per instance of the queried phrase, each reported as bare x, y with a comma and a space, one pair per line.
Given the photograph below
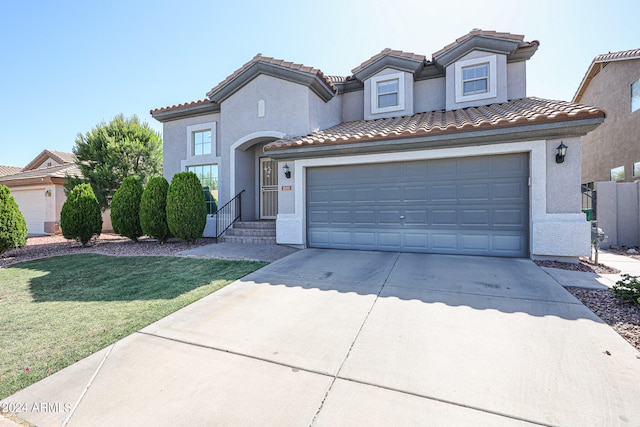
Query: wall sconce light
47, 193
562, 151
286, 170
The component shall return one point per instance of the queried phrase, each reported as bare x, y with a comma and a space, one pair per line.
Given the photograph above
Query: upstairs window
635, 96
617, 174
387, 93
202, 142
475, 79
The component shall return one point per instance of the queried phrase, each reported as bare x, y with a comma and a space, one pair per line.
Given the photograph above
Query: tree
125, 209
13, 227
153, 209
80, 217
186, 207
109, 153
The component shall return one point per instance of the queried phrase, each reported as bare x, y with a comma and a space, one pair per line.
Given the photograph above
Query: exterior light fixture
562, 151
286, 170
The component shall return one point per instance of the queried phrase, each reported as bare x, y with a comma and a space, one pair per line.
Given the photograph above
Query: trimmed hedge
153, 209
80, 218
13, 227
125, 209
186, 207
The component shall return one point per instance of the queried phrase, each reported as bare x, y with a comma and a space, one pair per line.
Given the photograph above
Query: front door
268, 188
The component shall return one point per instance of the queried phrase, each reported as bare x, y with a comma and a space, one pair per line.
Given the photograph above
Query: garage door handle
401, 216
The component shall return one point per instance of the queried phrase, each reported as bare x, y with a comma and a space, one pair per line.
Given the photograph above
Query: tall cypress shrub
13, 227
153, 209
80, 217
125, 209
186, 207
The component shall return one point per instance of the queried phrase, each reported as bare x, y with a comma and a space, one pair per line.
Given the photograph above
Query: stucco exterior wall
501, 81
429, 95
323, 115
563, 179
615, 142
516, 80
353, 106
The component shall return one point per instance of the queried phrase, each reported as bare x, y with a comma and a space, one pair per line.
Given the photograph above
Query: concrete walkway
581, 279
354, 338
224, 250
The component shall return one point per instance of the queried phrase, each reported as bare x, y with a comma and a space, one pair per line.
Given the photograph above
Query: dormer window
387, 93
476, 79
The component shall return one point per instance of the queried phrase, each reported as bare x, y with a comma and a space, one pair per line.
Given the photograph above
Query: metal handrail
228, 214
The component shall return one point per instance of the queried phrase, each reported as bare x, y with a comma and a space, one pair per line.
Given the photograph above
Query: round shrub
125, 209
13, 227
186, 207
153, 209
80, 217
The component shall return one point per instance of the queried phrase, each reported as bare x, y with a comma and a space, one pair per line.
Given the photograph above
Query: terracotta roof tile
618, 56
274, 61
478, 32
388, 51
179, 106
518, 112
59, 171
9, 170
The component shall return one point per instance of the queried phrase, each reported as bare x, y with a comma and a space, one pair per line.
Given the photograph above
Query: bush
627, 289
125, 209
13, 227
186, 207
80, 218
153, 209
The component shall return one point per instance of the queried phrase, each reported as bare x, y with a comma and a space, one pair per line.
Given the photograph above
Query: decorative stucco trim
410, 65
484, 43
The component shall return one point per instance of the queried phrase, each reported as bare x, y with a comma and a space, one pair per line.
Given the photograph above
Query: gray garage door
474, 206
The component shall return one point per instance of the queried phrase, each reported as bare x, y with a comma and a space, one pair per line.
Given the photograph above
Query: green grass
56, 311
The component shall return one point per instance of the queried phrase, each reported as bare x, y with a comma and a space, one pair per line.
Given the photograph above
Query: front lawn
56, 311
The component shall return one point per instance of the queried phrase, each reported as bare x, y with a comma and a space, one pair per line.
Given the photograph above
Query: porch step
251, 232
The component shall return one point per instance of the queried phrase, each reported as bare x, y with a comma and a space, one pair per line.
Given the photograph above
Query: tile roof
274, 61
58, 156
180, 106
618, 56
65, 157
385, 52
59, 171
519, 112
487, 33
9, 170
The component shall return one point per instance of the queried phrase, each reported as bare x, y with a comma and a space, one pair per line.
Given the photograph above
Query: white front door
268, 188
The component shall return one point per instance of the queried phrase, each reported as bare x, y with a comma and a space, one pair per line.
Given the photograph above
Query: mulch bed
585, 264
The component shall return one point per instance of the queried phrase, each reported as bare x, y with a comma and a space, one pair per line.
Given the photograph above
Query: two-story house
442, 155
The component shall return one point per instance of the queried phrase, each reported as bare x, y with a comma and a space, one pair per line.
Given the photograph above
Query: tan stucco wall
616, 142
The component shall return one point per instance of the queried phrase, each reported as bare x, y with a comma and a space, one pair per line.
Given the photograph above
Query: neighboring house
612, 83
9, 170
611, 153
38, 188
446, 155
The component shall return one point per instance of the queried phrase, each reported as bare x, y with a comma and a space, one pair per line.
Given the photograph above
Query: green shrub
627, 289
13, 227
81, 218
186, 208
153, 209
125, 209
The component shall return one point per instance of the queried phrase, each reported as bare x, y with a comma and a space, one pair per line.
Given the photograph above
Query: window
617, 174
475, 79
636, 170
387, 93
208, 175
202, 142
635, 96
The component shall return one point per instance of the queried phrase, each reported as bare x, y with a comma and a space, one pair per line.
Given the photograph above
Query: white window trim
374, 93
198, 128
493, 80
631, 96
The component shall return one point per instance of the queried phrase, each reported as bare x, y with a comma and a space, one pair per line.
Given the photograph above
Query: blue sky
66, 66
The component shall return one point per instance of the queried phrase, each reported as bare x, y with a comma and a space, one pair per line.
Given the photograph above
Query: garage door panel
471, 206
33, 208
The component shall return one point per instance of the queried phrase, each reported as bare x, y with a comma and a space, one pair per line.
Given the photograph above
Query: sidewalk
581, 279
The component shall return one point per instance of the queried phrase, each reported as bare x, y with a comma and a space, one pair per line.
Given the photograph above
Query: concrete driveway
352, 338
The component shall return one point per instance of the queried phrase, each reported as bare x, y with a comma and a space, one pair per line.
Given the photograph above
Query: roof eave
410, 65
311, 80
540, 131
189, 111
503, 46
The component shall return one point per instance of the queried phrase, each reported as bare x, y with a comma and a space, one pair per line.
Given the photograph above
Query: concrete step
251, 232
255, 224
248, 240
